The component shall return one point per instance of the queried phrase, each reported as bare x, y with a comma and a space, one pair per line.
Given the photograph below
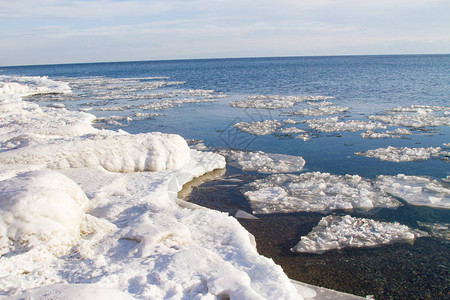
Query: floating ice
290, 130
397, 133
416, 190
320, 103
332, 124
337, 232
415, 116
401, 154
263, 162
314, 191
259, 127
273, 102
165, 104
319, 111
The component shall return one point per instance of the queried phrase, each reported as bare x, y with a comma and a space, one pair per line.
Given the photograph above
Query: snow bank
113, 151
401, 154
263, 162
416, 190
332, 124
314, 191
337, 232
260, 127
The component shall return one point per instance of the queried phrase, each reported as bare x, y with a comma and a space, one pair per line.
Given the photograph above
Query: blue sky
62, 31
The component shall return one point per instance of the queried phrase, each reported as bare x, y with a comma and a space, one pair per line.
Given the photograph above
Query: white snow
121, 234
259, 127
401, 154
337, 232
28, 85
332, 124
314, 191
416, 190
263, 162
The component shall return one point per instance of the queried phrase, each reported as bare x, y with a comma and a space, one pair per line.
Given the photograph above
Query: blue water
366, 84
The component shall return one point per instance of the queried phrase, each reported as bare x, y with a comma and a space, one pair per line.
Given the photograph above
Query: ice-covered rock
337, 232
416, 190
314, 191
263, 162
401, 154
259, 127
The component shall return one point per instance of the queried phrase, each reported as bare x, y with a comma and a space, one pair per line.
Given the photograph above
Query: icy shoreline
129, 237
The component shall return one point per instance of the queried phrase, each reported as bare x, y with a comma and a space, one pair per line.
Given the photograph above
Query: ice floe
319, 111
290, 130
416, 190
337, 232
263, 162
332, 124
259, 127
397, 133
273, 102
120, 234
415, 116
439, 230
402, 154
314, 191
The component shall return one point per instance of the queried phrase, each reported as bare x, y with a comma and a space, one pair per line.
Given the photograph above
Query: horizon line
218, 58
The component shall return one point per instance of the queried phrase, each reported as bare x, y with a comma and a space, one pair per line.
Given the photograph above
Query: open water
367, 85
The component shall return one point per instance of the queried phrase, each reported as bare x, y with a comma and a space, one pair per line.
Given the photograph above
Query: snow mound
314, 191
401, 154
416, 190
332, 124
337, 232
259, 127
40, 209
263, 162
115, 152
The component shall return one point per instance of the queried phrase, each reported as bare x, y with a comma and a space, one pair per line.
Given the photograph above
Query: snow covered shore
94, 213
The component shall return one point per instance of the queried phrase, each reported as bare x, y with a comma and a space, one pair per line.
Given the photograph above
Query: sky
63, 31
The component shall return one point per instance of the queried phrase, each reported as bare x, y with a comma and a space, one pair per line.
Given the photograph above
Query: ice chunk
263, 162
259, 127
31, 85
401, 154
416, 190
290, 130
439, 230
398, 134
314, 191
337, 232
